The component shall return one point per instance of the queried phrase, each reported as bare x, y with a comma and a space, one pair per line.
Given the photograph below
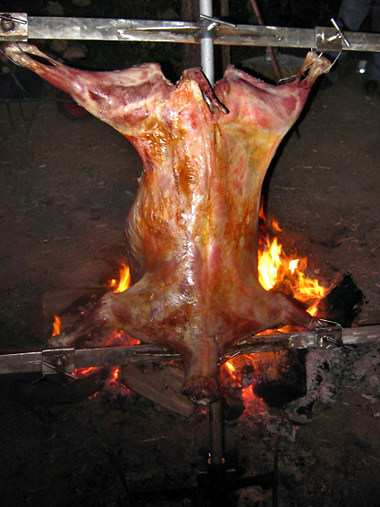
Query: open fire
277, 271
124, 279
283, 272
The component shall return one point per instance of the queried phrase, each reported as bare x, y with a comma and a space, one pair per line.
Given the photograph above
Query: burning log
342, 303
280, 377
193, 229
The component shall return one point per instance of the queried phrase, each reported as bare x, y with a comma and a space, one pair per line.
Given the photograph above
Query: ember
85, 372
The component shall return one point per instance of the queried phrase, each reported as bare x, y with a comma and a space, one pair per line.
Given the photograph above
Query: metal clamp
58, 361
331, 39
330, 336
14, 26
340, 34
215, 22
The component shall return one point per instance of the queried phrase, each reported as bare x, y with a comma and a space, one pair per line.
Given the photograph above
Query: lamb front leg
128, 99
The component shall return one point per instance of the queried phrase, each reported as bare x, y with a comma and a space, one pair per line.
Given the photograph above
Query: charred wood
342, 303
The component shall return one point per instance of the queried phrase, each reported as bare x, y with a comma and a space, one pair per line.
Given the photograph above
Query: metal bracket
13, 27
329, 337
211, 23
331, 39
58, 361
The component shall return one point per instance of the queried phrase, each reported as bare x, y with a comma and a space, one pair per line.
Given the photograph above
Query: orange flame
270, 223
56, 326
276, 267
117, 337
275, 225
270, 264
124, 279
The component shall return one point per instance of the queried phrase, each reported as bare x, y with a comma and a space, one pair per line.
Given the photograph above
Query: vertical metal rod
216, 433
207, 43
215, 411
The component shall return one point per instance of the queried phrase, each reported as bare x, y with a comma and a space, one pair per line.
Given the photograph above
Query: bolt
7, 23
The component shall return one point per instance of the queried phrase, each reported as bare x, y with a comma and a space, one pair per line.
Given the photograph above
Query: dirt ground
66, 187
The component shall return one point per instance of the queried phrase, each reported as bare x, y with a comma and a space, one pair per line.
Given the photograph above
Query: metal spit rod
216, 459
206, 41
52, 361
18, 26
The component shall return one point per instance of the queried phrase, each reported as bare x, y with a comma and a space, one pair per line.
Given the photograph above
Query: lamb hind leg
100, 316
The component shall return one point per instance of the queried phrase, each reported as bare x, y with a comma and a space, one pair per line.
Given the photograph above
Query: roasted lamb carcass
192, 231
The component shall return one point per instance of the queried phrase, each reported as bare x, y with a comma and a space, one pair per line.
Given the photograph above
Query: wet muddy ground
66, 187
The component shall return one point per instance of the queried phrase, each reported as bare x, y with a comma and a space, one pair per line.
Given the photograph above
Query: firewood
342, 303
160, 385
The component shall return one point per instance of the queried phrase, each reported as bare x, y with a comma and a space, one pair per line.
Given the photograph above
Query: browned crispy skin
192, 232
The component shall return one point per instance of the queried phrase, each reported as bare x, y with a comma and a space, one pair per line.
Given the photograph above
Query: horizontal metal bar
112, 29
359, 41
35, 361
361, 334
132, 30
109, 356
318, 338
46, 360
21, 362
252, 35
190, 32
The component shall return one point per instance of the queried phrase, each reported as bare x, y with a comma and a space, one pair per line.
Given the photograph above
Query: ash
329, 371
